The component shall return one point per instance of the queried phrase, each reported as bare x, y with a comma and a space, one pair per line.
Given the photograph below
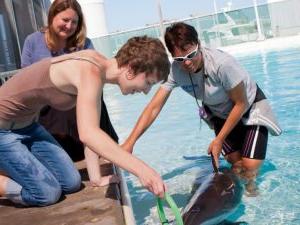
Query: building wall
285, 17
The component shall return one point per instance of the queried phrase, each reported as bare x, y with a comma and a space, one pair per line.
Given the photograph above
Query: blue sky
131, 14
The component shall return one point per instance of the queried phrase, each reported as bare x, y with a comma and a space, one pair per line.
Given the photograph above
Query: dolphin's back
214, 200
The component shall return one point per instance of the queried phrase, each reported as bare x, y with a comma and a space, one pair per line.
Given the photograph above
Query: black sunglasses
189, 56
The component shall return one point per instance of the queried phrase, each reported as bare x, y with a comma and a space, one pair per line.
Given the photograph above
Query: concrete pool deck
89, 206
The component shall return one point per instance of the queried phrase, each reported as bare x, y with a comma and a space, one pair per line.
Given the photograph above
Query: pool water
175, 144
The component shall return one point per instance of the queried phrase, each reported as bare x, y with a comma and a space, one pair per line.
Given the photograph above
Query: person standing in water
232, 103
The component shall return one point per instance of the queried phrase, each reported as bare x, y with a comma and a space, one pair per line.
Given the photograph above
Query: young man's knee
44, 197
73, 183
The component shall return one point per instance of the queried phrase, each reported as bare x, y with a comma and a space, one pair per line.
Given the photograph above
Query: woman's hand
152, 181
215, 149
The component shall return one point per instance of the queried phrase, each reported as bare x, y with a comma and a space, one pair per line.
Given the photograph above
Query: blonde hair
77, 40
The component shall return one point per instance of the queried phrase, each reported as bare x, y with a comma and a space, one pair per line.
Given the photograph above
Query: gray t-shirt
220, 74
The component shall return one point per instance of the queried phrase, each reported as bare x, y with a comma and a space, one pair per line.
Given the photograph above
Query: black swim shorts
250, 141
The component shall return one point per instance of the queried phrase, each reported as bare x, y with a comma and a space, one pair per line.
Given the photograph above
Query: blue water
176, 133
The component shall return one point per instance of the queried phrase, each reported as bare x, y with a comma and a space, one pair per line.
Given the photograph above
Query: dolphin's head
216, 197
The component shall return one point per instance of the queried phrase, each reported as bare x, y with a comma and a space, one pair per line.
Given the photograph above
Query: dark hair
179, 35
145, 54
77, 40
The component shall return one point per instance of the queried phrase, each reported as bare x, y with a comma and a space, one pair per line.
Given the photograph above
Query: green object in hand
174, 208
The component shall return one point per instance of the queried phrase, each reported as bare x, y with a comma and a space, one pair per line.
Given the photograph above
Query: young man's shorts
250, 141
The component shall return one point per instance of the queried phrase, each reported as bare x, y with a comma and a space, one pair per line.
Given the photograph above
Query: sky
131, 14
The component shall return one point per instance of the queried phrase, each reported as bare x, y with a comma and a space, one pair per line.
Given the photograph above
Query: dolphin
218, 195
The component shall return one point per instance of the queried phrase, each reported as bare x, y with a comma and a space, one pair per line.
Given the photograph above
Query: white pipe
161, 25
260, 34
217, 22
95, 17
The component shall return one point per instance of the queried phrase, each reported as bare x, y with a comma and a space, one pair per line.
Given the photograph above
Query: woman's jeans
40, 170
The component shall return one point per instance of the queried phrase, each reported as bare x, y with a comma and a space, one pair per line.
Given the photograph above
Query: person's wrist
220, 139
